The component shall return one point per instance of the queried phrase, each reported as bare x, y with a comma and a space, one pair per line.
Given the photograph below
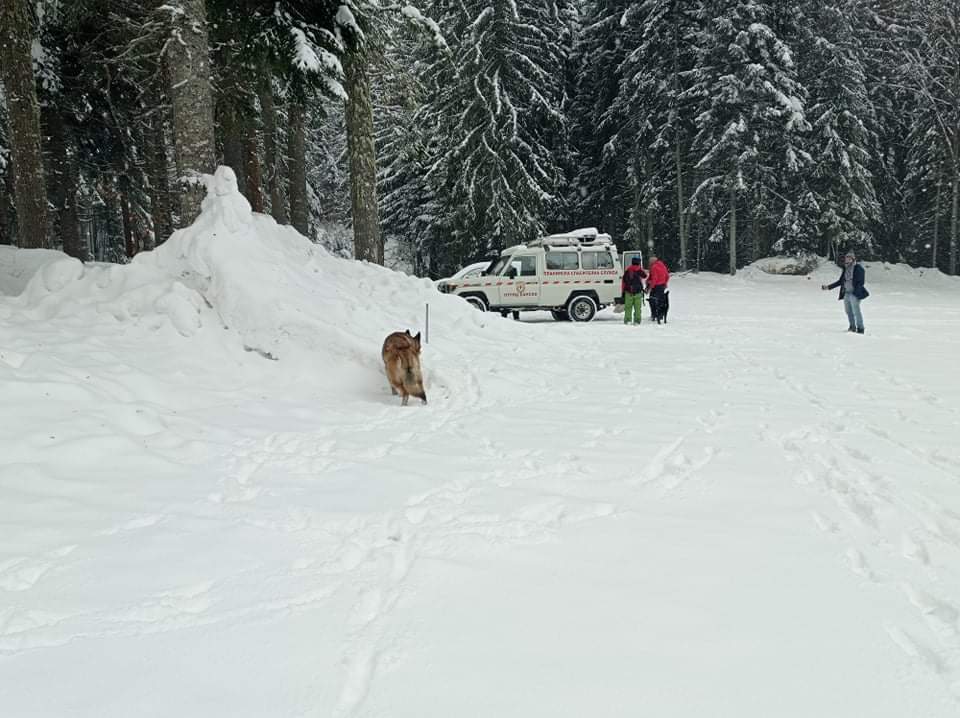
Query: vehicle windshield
497, 265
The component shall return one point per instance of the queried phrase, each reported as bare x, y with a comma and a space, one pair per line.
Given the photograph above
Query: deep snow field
211, 505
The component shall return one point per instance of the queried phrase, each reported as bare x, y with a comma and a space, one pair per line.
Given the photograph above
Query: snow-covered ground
210, 504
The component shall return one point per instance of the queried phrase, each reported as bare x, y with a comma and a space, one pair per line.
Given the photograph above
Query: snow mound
17, 266
826, 270
788, 265
254, 286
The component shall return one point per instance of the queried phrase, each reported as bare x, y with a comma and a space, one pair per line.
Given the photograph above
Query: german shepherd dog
401, 359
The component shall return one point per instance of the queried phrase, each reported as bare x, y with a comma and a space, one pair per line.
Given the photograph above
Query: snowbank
788, 265
255, 285
826, 270
17, 266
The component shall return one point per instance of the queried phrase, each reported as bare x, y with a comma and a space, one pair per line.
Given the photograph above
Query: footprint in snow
22, 573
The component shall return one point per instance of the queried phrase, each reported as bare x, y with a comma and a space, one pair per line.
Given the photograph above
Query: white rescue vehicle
572, 275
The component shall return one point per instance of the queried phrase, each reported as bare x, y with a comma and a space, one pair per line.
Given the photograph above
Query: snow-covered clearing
210, 504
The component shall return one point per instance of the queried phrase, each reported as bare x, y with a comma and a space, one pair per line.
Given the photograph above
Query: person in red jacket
631, 286
657, 289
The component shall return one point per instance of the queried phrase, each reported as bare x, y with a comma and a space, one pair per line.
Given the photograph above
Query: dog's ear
416, 338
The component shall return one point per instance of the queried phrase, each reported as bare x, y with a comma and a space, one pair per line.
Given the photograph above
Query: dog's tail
412, 377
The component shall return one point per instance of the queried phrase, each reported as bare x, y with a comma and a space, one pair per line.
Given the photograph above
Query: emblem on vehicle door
520, 286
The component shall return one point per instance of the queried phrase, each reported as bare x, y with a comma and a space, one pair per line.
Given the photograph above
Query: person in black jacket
852, 291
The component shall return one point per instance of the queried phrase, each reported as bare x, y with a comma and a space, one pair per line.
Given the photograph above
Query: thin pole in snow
426, 326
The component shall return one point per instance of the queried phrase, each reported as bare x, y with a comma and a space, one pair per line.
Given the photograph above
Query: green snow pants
631, 307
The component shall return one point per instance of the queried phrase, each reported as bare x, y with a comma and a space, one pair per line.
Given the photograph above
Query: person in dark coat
852, 291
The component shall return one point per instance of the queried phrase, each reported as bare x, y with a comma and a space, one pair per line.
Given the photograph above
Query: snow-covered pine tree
652, 120
602, 132
188, 70
842, 117
414, 137
750, 114
402, 185
930, 68
502, 110
273, 60
95, 109
893, 106
364, 27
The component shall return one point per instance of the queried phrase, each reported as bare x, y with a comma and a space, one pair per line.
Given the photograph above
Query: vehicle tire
477, 303
560, 315
582, 309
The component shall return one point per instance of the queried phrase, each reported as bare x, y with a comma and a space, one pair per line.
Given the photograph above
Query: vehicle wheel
477, 303
582, 309
560, 315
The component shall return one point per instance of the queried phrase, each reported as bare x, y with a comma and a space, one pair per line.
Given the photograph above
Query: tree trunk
677, 158
193, 138
160, 205
268, 111
649, 231
70, 216
16, 73
296, 155
7, 231
367, 240
55, 163
129, 246
936, 219
232, 141
954, 217
110, 231
733, 228
252, 175
682, 222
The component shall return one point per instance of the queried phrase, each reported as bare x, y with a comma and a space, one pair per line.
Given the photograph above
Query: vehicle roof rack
586, 237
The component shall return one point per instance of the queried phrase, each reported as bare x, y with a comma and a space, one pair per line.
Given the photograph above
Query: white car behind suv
468, 272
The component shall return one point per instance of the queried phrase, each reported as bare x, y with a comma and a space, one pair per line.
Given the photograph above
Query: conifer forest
429, 134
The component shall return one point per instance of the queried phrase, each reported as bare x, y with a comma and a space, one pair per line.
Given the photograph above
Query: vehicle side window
562, 260
528, 266
596, 260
